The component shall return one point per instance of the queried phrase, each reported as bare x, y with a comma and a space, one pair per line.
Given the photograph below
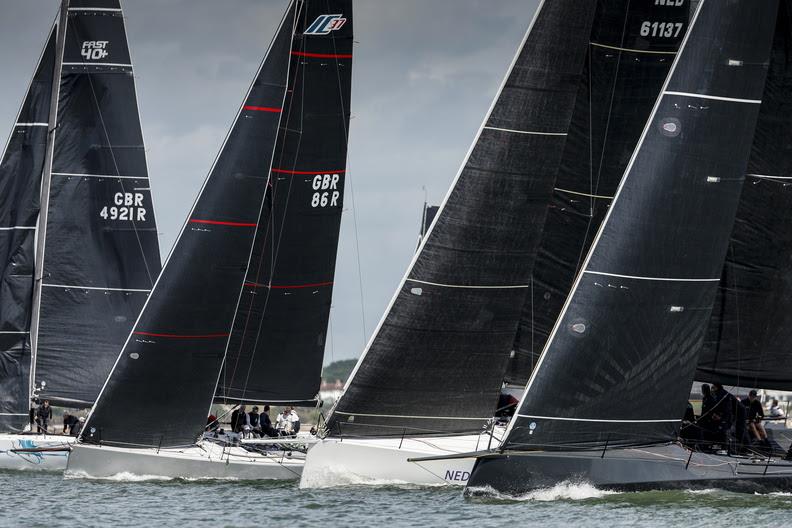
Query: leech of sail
470, 286
526, 131
638, 277
714, 97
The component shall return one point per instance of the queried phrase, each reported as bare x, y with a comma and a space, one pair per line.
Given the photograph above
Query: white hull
384, 461
204, 461
18, 451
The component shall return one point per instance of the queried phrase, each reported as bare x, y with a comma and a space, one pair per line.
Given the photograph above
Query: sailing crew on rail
43, 416
755, 417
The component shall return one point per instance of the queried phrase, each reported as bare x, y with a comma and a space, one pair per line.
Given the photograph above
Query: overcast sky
425, 72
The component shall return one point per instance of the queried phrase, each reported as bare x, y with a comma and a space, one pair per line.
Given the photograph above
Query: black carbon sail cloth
627, 63
277, 344
749, 335
619, 364
20, 189
101, 254
436, 362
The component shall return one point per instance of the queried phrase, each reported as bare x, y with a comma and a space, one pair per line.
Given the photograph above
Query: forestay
747, 343
631, 50
436, 361
618, 365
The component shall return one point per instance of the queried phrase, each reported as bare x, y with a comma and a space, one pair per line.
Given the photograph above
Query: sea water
47, 499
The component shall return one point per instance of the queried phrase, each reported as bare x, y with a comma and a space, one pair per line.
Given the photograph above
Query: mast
435, 363
620, 360
46, 179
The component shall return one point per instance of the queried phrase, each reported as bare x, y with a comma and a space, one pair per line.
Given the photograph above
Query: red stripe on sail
262, 109
286, 171
181, 336
218, 222
322, 55
289, 287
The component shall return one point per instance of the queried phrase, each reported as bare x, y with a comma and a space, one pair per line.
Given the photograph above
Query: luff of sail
626, 65
618, 366
277, 343
436, 361
748, 339
20, 186
176, 349
99, 248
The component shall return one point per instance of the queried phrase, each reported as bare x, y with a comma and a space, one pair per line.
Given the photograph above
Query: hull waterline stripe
596, 420
412, 417
632, 50
715, 97
218, 222
639, 277
567, 191
15, 228
288, 287
79, 175
322, 55
526, 131
472, 287
286, 171
182, 336
31, 124
110, 64
74, 287
263, 109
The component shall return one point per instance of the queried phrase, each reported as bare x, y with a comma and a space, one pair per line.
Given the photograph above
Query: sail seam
714, 97
515, 286
181, 336
15, 332
31, 124
768, 177
79, 175
632, 50
584, 194
531, 132
413, 417
69, 286
642, 277
97, 64
595, 419
31, 228
107, 9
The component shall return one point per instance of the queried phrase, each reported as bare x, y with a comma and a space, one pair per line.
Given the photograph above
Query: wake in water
125, 476
567, 490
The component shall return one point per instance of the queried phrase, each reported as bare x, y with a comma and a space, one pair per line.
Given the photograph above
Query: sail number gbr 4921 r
127, 206
326, 193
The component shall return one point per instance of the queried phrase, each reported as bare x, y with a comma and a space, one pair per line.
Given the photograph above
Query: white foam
562, 491
330, 477
124, 476
707, 491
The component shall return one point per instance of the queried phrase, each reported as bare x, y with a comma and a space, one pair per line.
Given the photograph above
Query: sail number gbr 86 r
326, 191
128, 206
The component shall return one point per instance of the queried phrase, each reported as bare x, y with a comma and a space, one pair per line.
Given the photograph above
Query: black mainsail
176, 351
20, 186
435, 363
748, 339
98, 248
618, 365
76, 181
627, 63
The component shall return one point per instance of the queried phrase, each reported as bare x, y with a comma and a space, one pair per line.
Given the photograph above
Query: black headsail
178, 345
618, 365
97, 253
748, 342
20, 187
277, 344
627, 63
435, 363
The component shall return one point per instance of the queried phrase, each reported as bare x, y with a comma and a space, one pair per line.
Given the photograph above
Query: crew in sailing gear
775, 410
266, 423
755, 416
239, 419
43, 416
283, 423
253, 421
71, 422
295, 421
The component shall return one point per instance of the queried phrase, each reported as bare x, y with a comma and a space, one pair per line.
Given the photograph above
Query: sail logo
324, 24
94, 49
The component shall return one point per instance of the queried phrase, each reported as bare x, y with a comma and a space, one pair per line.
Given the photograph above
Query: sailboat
240, 310
622, 73
78, 238
632, 327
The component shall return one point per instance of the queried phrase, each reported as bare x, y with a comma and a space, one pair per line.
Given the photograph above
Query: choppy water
30, 499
